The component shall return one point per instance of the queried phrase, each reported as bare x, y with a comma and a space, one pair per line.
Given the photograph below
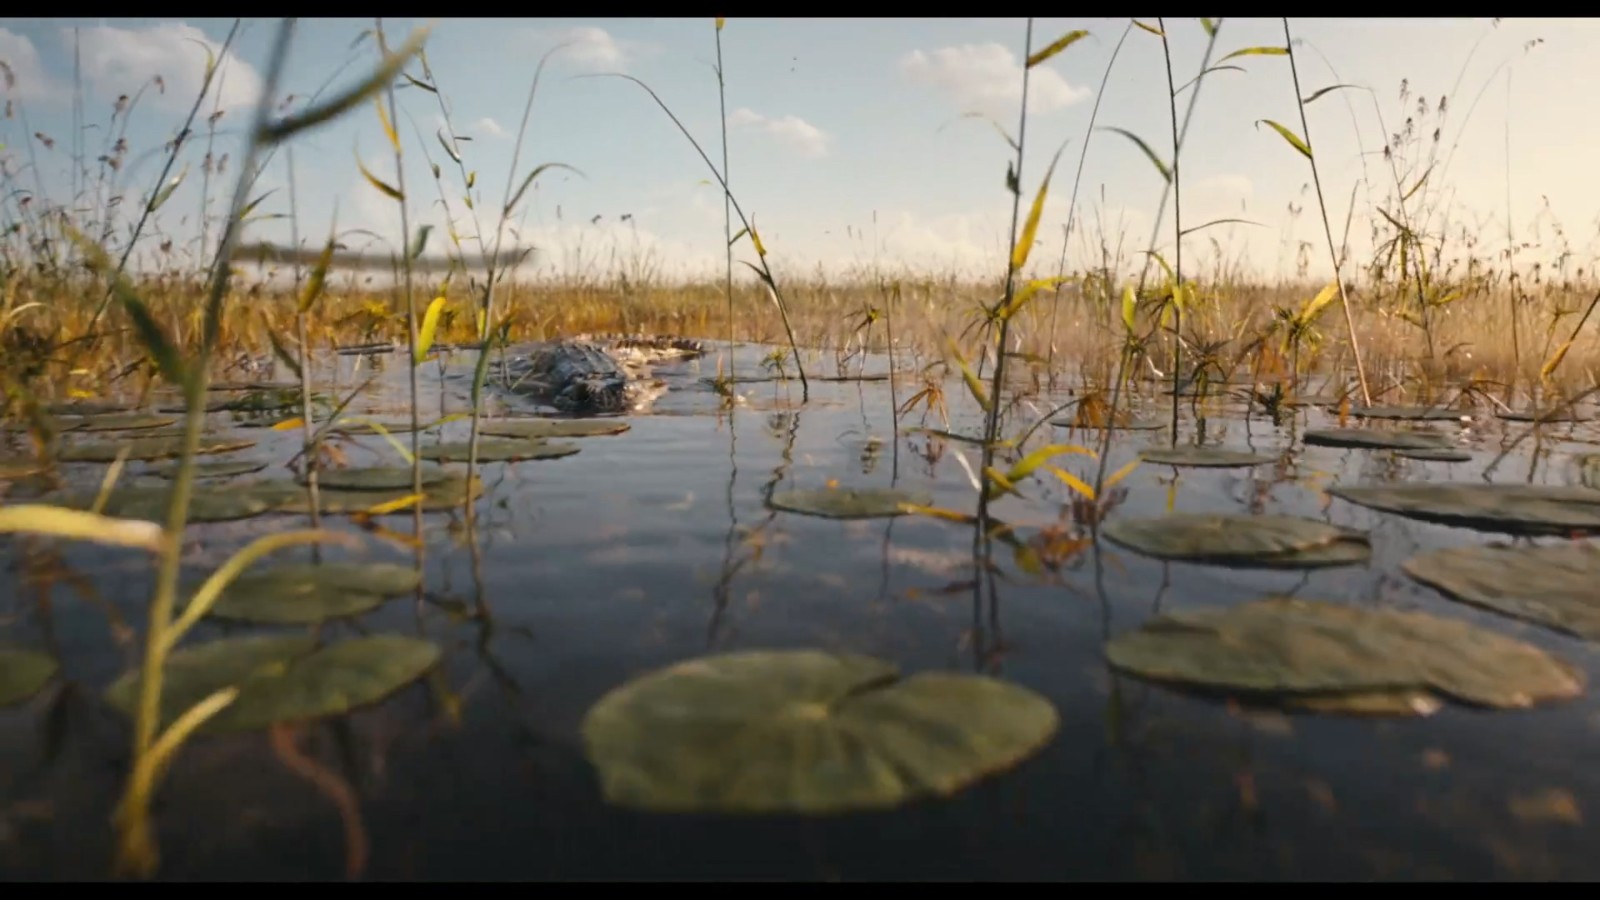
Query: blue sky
846, 135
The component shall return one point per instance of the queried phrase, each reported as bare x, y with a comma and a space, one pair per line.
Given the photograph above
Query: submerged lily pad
1552, 585
1285, 646
148, 448
305, 594
24, 673
1376, 439
212, 469
548, 428
1410, 413
498, 450
282, 678
848, 503
1209, 457
1436, 455
378, 478
121, 422
1524, 509
1241, 540
805, 732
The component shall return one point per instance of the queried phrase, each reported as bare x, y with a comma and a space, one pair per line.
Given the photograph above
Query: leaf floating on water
1241, 540
1377, 439
1308, 650
805, 732
1436, 455
281, 678
149, 448
498, 450
1552, 585
1208, 457
1558, 414
119, 422
215, 469
304, 594
378, 478
548, 428
1520, 509
24, 673
213, 504
848, 503
1410, 413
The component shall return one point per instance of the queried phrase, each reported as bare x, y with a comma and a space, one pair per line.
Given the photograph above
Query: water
655, 546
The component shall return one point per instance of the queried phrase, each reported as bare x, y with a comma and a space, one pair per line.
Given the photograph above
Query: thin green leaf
319, 276
283, 129
150, 333
415, 83
1306, 101
250, 207
1166, 172
1061, 43
1209, 26
1256, 51
1150, 28
449, 148
1193, 81
421, 241
1418, 186
1294, 140
526, 182
1189, 231
735, 238
165, 194
282, 352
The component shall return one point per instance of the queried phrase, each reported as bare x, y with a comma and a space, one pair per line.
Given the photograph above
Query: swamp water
656, 545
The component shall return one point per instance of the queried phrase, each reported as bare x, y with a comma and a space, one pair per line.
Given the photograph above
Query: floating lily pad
304, 594
1441, 454
85, 408
363, 428
848, 503
1210, 457
1241, 540
805, 732
548, 428
1552, 585
498, 450
216, 504
1559, 414
121, 422
24, 673
366, 349
1525, 509
378, 478
289, 497
1129, 424
1403, 702
1410, 413
212, 469
253, 386
148, 448
1284, 646
1376, 439
282, 678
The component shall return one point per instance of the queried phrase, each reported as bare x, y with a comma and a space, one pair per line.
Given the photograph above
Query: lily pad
85, 408
212, 469
848, 503
378, 478
1209, 457
24, 673
498, 450
148, 448
253, 386
1552, 585
549, 428
304, 594
1130, 424
289, 497
282, 678
364, 428
1241, 540
366, 349
1441, 454
1522, 509
1285, 646
1558, 414
215, 504
1410, 413
1376, 439
121, 422
805, 732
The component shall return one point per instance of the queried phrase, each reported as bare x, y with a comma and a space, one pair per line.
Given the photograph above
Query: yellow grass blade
971, 378
383, 509
1150, 28
1019, 253
1028, 464
77, 525
1122, 473
379, 183
720, 22
1129, 302
1294, 140
1317, 304
1072, 481
1061, 43
1256, 51
1027, 291
755, 239
383, 116
997, 479
290, 424
430, 325
1554, 360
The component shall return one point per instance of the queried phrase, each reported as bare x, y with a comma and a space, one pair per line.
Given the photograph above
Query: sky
852, 142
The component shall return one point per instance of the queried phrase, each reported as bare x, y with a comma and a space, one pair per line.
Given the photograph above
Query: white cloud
587, 48
121, 60
804, 137
487, 127
24, 77
987, 78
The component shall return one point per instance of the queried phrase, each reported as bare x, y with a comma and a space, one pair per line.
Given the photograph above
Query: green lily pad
1547, 416
1523, 509
1410, 413
1376, 439
366, 349
1286, 646
24, 673
805, 732
304, 594
848, 503
1209, 457
1241, 540
1129, 424
365, 428
498, 450
212, 469
253, 386
549, 428
282, 678
1436, 455
1552, 585
120, 422
217, 504
289, 497
148, 448
85, 408
378, 478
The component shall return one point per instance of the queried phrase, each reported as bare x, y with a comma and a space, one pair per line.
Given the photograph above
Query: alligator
595, 373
